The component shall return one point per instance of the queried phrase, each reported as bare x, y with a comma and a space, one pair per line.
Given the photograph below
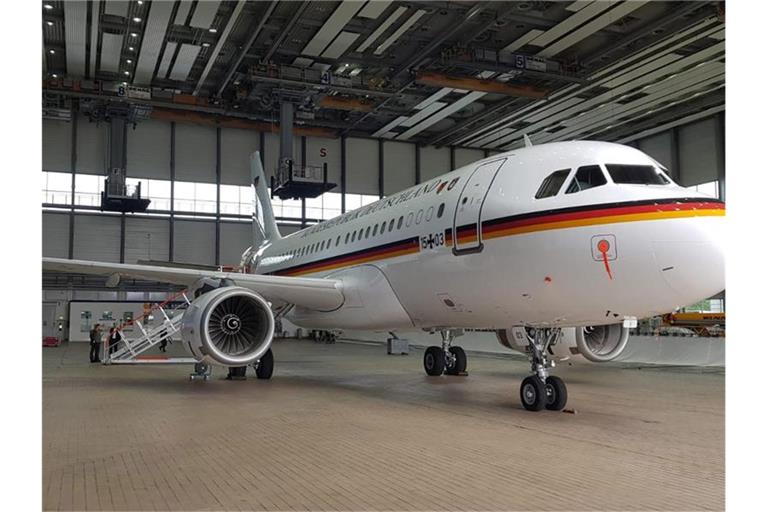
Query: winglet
527, 140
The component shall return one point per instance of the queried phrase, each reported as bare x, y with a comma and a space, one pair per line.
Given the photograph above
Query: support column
173, 183
720, 156
122, 238
418, 164
381, 168
72, 167
343, 173
218, 196
303, 164
674, 141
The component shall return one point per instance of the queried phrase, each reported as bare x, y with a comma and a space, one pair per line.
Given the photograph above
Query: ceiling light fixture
51, 51
50, 23
55, 75
206, 45
126, 72
134, 34
137, 20
140, 2
48, 6
129, 61
130, 48
212, 30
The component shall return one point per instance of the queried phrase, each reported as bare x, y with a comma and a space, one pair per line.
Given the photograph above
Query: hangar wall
192, 172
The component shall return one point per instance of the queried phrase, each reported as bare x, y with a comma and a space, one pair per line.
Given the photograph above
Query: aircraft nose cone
691, 258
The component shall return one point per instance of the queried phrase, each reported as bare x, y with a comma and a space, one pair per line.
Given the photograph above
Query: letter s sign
323, 152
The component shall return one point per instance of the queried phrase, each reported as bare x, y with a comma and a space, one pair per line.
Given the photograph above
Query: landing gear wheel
533, 393
265, 366
459, 365
557, 394
434, 361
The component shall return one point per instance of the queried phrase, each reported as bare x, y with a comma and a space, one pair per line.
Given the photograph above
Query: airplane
559, 247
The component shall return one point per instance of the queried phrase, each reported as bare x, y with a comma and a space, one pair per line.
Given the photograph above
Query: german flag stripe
391, 250
579, 216
527, 223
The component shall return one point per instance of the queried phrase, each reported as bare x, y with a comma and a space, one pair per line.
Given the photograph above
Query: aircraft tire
557, 393
533, 393
266, 366
434, 361
460, 365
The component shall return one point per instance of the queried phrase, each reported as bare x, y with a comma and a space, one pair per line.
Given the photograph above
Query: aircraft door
467, 235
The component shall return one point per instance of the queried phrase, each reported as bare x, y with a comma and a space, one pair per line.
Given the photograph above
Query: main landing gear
446, 358
541, 390
264, 368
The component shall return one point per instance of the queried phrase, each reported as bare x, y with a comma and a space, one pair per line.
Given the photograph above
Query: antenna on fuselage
527, 141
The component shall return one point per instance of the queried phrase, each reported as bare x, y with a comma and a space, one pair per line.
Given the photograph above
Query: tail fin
264, 224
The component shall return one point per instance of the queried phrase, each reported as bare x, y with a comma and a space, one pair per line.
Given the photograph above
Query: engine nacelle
602, 343
230, 326
598, 344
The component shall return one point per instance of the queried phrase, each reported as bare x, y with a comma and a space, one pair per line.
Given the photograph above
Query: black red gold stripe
390, 250
579, 216
601, 214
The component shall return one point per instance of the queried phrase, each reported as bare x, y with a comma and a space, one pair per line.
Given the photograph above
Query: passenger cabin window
440, 210
552, 183
636, 174
588, 176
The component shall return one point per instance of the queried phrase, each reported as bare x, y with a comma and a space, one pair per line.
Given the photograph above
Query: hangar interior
384, 95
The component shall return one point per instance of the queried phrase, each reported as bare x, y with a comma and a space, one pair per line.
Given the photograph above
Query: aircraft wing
312, 293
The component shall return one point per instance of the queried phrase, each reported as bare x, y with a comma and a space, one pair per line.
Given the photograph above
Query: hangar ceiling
473, 74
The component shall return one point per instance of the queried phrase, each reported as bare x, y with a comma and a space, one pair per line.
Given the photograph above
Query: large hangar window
588, 176
636, 174
552, 183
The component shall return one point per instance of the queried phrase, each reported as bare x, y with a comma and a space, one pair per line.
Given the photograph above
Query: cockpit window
588, 176
552, 183
636, 174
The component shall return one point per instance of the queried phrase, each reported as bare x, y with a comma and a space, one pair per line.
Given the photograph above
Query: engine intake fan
602, 343
230, 326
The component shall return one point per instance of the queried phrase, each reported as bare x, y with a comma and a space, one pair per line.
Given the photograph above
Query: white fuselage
474, 248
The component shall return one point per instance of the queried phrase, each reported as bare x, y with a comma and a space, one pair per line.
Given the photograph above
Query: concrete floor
346, 427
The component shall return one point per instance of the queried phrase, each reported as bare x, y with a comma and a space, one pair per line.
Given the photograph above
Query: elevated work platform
300, 182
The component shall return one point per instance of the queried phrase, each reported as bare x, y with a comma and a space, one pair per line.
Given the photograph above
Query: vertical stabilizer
264, 224
527, 141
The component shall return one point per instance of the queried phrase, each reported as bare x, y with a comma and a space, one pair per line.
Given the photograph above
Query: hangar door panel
467, 235
434, 162
194, 242
399, 166
97, 238
57, 146
236, 148
148, 152
146, 239
56, 235
195, 153
235, 238
698, 153
362, 166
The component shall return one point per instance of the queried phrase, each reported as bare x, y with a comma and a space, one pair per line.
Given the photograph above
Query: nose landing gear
446, 358
541, 390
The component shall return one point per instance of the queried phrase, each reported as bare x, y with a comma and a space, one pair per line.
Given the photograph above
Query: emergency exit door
467, 236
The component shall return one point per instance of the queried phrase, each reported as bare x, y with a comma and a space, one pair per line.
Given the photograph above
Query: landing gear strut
541, 390
446, 358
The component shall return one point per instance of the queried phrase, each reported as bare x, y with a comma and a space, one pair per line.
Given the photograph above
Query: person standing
95, 337
114, 339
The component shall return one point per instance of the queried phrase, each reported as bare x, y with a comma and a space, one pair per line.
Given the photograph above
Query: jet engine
602, 343
229, 326
598, 343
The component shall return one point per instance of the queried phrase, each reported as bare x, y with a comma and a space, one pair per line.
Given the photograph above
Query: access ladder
127, 349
